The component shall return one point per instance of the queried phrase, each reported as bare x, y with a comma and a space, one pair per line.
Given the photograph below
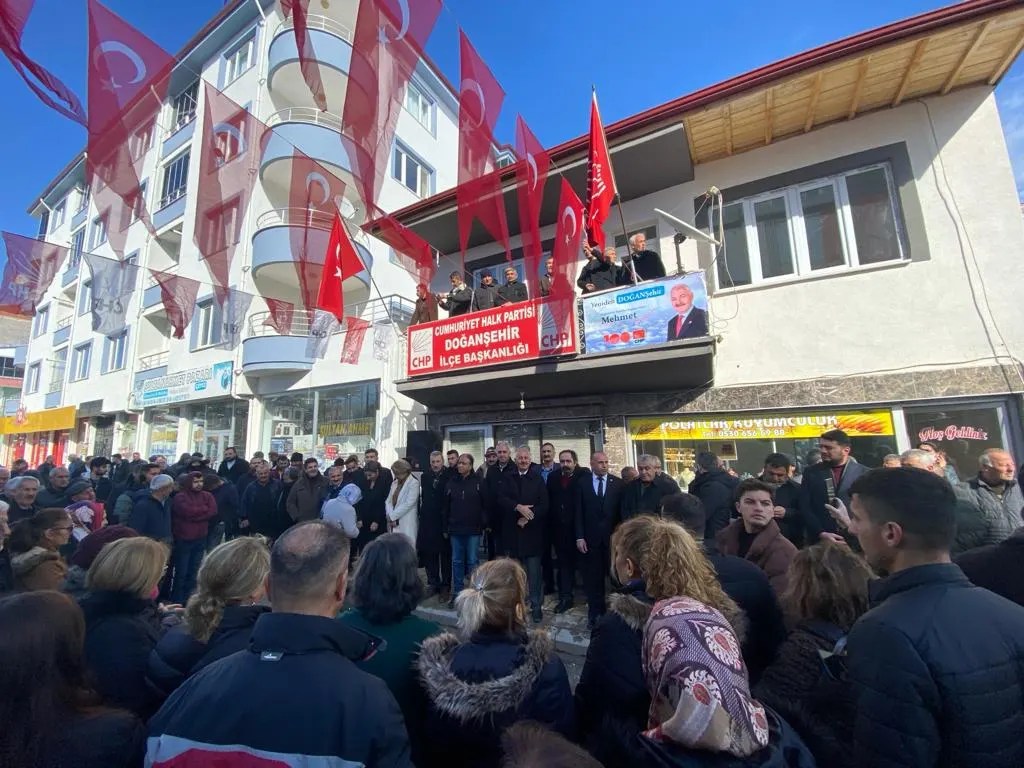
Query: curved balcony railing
303, 217
318, 21
391, 307
310, 115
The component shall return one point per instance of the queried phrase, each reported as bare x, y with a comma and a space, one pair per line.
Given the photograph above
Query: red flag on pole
229, 151
355, 332
389, 41
51, 91
308, 63
30, 268
413, 252
128, 79
340, 263
531, 176
601, 188
479, 191
565, 253
179, 295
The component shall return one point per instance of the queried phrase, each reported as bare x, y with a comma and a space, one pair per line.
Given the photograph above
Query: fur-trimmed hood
26, 561
472, 701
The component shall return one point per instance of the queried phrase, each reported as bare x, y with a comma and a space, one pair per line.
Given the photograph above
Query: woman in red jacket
192, 508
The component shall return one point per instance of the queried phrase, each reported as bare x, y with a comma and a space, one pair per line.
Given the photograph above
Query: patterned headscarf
351, 493
700, 694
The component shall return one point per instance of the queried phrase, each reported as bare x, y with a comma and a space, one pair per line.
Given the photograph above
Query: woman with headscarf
341, 510
403, 502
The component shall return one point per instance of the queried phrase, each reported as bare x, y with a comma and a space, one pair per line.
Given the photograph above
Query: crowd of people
264, 612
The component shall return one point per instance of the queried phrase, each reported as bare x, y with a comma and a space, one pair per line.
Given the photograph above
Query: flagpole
625, 234
615, 186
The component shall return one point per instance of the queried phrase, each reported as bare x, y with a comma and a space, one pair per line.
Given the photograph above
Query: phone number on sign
721, 434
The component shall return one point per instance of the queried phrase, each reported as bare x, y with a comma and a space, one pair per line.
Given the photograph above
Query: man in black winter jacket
513, 291
786, 494
296, 695
937, 664
715, 488
643, 496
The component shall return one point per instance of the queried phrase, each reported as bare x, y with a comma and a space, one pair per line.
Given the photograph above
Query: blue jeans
464, 555
186, 556
215, 536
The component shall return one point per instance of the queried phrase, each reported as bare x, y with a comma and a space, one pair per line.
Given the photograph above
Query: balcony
71, 273
54, 399
151, 293
278, 235
171, 208
151, 366
318, 136
62, 334
332, 48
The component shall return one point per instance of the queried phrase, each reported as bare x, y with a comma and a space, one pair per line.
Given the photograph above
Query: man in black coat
643, 496
513, 291
600, 496
486, 295
776, 473
599, 273
714, 487
690, 322
998, 567
830, 479
434, 548
233, 466
119, 470
566, 497
524, 504
647, 264
54, 494
494, 484
936, 664
743, 581
459, 300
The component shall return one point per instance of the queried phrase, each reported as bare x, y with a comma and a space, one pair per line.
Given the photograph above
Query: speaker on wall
420, 443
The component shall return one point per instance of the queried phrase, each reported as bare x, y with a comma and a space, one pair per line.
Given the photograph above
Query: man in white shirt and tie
690, 322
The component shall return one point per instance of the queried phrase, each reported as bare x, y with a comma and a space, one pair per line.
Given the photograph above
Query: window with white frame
175, 179
40, 321
83, 199
32, 378
85, 298
57, 368
77, 247
98, 236
142, 140
57, 219
137, 203
114, 352
420, 105
239, 59
183, 108
7, 367
208, 324
839, 222
81, 358
412, 172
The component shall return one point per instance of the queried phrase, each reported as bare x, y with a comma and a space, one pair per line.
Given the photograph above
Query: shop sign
766, 427
90, 408
193, 384
528, 330
26, 421
642, 315
347, 427
951, 432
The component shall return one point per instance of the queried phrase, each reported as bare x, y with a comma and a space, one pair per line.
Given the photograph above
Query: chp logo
635, 336
421, 349
555, 326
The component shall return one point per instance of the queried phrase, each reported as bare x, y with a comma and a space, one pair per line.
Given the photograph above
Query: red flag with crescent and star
340, 263
309, 65
531, 176
565, 253
601, 189
413, 252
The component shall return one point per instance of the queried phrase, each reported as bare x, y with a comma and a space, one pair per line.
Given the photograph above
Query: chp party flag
298, 10
601, 189
179, 295
388, 44
113, 283
234, 306
478, 194
51, 91
30, 268
531, 176
355, 333
322, 325
340, 263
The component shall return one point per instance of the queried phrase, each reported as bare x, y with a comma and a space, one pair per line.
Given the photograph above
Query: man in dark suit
564, 492
524, 505
690, 322
494, 484
646, 264
599, 509
828, 480
233, 466
512, 292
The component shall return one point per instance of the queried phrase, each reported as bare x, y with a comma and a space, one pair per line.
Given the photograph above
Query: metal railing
153, 361
294, 217
64, 322
310, 115
391, 308
318, 21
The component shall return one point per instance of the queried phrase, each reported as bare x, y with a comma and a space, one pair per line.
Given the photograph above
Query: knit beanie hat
90, 546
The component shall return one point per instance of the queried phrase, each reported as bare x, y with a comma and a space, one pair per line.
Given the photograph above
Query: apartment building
146, 391
869, 276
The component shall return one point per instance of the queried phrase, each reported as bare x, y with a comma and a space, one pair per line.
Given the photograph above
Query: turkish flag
230, 147
561, 304
355, 332
308, 63
30, 268
413, 252
388, 44
531, 176
178, 294
601, 189
340, 263
479, 193
128, 80
51, 91
315, 195
281, 315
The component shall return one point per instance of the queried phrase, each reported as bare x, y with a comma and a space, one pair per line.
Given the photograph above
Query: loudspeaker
419, 443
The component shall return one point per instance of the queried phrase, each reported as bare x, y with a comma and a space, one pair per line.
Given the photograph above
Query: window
83, 199
209, 324
220, 227
85, 298
58, 366
420, 106
142, 140
238, 59
843, 221
32, 378
137, 203
99, 232
7, 367
57, 219
132, 258
184, 106
80, 360
175, 179
40, 321
77, 247
412, 172
114, 352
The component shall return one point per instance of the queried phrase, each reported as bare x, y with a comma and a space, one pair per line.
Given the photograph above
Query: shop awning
667, 368
25, 422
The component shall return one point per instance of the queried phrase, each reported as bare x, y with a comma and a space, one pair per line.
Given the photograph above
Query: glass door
471, 439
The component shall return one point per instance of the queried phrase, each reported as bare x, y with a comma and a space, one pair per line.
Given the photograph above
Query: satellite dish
688, 229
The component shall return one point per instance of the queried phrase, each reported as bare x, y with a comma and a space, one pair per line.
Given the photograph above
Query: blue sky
546, 54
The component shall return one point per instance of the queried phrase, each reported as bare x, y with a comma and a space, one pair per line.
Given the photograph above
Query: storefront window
346, 420
580, 436
214, 427
743, 441
163, 433
963, 432
288, 424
